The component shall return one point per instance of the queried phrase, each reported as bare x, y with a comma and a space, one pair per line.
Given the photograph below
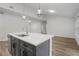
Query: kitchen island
32, 44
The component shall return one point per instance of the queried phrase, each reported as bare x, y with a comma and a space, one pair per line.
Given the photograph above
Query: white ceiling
62, 9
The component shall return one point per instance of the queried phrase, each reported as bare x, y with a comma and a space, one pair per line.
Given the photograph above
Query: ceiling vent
11, 7
1, 12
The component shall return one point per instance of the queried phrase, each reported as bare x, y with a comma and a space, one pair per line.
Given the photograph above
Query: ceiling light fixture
51, 11
39, 10
23, 16
29, 21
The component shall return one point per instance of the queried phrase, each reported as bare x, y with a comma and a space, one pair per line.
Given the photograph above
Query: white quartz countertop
33, 38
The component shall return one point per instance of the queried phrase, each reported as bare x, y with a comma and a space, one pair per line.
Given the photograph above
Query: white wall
35, 26
77, 22
61, 26
77, 30
11, 23
77, 26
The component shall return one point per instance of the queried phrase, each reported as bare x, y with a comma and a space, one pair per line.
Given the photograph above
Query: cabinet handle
14, 45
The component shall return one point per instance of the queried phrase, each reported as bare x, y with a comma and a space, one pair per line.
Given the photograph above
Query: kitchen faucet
27, 27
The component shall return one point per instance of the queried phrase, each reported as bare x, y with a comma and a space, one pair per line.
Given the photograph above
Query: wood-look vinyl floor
65, 47
4, 48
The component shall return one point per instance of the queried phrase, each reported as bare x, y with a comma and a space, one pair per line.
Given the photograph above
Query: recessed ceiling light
24, 17
29, 21
51, 11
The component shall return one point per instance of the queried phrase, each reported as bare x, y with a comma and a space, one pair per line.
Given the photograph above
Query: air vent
77, 16
11, 7
1, 12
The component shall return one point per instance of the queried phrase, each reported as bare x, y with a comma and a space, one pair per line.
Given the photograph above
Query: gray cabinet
13, 44
9, 44
19, 47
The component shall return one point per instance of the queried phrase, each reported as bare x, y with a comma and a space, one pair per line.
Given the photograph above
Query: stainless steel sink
22, 35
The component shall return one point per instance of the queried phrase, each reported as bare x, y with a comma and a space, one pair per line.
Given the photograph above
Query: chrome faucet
27, 27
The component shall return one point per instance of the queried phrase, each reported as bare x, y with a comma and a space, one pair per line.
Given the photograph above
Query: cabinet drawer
22, 43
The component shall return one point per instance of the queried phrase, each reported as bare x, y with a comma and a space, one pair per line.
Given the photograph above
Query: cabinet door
27, 49
9, 44
17, 50
15, 47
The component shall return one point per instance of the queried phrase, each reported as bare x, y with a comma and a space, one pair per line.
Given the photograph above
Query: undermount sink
22, 35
